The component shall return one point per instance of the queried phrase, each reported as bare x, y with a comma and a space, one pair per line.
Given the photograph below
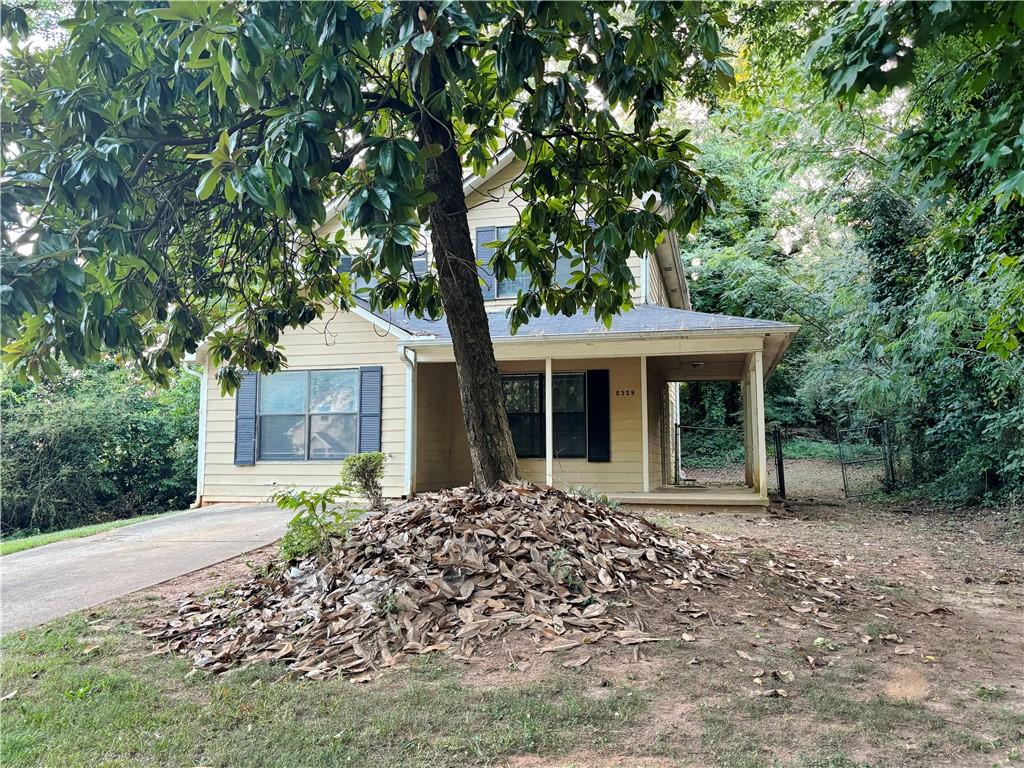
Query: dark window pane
570, 435
283, 392
334, 391
282, 438
527, 434
333, 437
522, 393
569, 393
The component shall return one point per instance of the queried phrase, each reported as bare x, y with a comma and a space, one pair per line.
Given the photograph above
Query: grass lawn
9, 545
87, 690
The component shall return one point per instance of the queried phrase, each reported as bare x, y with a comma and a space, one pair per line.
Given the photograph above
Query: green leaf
208, 183
422, 42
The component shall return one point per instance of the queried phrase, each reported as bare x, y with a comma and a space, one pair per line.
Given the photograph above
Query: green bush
95, 445
319, 518
362, 472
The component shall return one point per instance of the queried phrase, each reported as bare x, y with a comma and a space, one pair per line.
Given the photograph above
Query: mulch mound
446, 572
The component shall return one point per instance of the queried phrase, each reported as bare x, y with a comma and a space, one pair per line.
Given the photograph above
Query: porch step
694, 496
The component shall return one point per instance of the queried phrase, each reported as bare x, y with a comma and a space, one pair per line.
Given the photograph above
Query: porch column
748, 420
758, 460
409, 358
549, 424
759, 436
645, 448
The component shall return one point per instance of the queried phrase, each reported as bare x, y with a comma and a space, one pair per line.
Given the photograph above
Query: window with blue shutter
307, 415
524, 404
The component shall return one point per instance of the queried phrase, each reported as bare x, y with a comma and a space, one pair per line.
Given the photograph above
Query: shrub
362, 473
95, 445
319, 518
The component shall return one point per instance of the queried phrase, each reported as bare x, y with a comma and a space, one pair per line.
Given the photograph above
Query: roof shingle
643, 318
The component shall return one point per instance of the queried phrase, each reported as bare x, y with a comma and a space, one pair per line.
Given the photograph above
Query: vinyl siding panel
656, 293
340, 340
452, 467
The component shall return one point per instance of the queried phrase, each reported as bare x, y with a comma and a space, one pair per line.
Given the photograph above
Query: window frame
307, 416
539, 378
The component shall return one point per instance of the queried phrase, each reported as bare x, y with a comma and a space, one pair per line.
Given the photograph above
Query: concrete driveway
57, 579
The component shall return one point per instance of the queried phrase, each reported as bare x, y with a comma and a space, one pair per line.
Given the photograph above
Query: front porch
718, 497
552, 422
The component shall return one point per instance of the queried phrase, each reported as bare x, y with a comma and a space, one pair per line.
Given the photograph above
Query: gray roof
643, 318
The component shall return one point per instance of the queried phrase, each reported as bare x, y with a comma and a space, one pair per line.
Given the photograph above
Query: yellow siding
655, 425
656, 293
621, 474
495, 205
342, 340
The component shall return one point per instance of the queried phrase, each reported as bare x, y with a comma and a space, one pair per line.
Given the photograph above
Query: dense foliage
877, 225
95, 445
168, 168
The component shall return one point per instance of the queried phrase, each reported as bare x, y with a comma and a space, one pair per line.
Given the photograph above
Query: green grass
92, 694
80, 705
10, 545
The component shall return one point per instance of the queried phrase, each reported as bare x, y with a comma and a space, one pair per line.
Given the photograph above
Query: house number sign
625, 392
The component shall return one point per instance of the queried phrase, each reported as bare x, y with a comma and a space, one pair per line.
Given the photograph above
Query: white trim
759, 436
645, 463
201, 437
383, 323
474, 182
549, 423
410, 417
645, 277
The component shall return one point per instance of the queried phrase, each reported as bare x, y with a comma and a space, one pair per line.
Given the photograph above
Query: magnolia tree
168, 171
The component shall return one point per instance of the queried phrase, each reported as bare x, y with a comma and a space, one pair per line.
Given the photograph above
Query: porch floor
697, 496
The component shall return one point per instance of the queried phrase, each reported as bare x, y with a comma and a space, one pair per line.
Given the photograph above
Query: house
588, 406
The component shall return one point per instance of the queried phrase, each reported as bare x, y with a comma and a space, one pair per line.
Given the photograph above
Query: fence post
780, 468
890, 464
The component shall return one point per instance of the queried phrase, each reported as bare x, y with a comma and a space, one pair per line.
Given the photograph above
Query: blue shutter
483, 257
371, 384
245, 421
599, 427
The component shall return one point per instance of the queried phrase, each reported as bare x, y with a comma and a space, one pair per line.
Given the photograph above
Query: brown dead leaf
575, 663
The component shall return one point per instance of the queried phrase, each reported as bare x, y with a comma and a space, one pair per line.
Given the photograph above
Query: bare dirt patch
919, 663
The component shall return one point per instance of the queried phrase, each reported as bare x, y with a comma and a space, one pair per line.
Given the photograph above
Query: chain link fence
858, 461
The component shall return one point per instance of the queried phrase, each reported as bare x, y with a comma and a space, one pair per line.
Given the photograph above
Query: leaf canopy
196, 168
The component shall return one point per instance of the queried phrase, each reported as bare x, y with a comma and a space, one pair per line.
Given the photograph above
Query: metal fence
858, 461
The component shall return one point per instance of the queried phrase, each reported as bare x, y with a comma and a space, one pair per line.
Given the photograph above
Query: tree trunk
483, 402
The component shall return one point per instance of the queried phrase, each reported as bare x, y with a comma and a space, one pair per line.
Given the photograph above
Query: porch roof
641, 319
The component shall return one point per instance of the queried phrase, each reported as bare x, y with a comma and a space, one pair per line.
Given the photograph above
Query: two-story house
588, 405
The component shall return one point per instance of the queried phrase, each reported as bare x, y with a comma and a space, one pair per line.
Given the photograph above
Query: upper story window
307, 415
509, 289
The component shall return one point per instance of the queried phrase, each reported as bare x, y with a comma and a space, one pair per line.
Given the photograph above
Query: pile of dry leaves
446, 572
